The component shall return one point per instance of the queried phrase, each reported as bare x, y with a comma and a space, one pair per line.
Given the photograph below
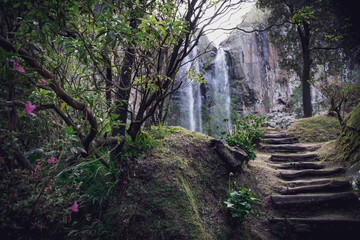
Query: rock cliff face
257, 83
256, 80
242, 76
248, 65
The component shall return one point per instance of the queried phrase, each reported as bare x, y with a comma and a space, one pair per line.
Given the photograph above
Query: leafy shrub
339, 90
39, 204
239, 203
246, 133
356, 186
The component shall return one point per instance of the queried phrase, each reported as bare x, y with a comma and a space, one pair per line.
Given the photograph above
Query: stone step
298, 165
294, 157
288, 140
275, 135
285, 148
327, 227
308, 182
331, 186
293, 174
312, 200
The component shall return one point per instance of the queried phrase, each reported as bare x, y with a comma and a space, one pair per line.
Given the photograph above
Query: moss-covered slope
315, 129
174, 192
345, 150
348, 143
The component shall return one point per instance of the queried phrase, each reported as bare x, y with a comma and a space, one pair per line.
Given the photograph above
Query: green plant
356, 186
239, 202
244, 143
158, 132
245, 133
142, 144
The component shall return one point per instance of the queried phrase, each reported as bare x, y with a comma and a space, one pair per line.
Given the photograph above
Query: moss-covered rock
315, 129
348, 143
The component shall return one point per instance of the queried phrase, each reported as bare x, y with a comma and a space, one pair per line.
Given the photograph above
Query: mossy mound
348, 143
346, 148
174, 192
315, 129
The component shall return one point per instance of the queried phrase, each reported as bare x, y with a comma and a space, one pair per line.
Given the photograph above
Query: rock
285, 148
311, 200
279, 119
332, 186
233, 157
288, 140
294, 157
293, 174
298, 165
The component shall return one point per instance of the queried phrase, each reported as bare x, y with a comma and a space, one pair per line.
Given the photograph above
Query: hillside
176, 191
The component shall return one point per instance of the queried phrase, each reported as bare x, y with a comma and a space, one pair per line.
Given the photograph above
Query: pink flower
54, 118
16, 66
74, 207
36, 168
51, 160
29, 108
43, 81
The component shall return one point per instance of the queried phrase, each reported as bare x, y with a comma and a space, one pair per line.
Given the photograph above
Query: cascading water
221, 85
189, 97
204, 113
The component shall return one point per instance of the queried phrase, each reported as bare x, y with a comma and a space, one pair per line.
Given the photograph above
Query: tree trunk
305, 78
306, 90
121, 100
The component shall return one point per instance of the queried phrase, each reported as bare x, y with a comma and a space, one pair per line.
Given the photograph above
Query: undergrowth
245, 133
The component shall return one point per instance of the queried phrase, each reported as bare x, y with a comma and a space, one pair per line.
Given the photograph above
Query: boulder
233, 157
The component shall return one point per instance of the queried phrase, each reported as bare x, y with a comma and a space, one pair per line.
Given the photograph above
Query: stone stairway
316, 202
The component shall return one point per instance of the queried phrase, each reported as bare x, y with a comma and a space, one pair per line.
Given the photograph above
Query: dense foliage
246, 133
79, 79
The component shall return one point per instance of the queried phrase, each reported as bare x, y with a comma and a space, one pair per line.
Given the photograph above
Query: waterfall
222, 85
203, 111
189, 99
190, 95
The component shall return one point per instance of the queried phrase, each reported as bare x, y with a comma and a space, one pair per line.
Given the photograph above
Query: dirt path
304, 198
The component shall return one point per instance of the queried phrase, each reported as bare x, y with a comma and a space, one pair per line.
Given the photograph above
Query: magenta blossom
51, 160
36, 168
16, 66
54, 118
74, 207
29, 108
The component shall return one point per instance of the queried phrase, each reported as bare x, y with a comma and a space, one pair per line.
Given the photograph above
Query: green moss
156, 210
171, 205
194, 207
345, 150
181, 198
353, 121
348, 143
315, 129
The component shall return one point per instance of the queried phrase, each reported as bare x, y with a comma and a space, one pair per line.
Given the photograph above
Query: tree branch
55, 86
